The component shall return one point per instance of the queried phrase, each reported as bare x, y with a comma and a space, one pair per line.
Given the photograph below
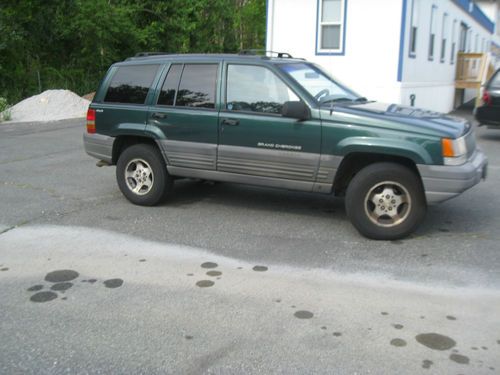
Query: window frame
444, 38
453, 42
342, 34
432, 36
226, 80
414, 15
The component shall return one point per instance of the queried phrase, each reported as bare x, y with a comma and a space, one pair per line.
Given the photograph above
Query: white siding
371, 57
433, 81
373, 28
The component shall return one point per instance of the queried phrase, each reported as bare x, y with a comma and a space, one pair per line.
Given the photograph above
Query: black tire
139, 160
391, 218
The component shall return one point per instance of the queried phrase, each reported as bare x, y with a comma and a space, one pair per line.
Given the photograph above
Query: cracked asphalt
325, 299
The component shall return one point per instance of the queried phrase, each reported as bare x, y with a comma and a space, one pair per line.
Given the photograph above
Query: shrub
5, 114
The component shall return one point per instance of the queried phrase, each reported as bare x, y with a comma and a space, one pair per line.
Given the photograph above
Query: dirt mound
50, 105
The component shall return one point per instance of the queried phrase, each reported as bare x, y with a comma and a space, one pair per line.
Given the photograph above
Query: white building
388, 50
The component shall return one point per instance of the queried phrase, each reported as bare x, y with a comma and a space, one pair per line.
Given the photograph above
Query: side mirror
296, 109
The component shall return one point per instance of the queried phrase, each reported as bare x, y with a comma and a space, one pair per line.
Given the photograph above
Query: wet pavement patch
35, 288
435, 341
113, 283
4, 269
398, 326
450, 317
61, 276
398, 342
427, 364
205, 283
190, 274
260, 268
209, 265
61, 287
458, 358
43, 297
303, 314
214, 273
142, 260
337, 334
188, 337
384, 313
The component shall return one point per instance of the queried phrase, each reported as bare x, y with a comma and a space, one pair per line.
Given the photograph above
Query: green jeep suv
277, 122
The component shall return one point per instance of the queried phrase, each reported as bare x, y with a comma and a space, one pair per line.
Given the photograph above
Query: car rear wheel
142, 175
385, 201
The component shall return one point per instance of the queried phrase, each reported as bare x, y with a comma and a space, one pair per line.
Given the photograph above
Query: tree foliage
71, 43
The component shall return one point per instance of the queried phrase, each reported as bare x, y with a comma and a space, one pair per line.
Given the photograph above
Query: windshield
323, 88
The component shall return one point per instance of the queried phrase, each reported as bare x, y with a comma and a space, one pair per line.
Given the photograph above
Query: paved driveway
290, 286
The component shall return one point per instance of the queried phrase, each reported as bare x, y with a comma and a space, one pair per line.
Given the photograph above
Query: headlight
454, 151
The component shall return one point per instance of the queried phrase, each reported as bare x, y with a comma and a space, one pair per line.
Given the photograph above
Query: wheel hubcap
139, 176
388, 204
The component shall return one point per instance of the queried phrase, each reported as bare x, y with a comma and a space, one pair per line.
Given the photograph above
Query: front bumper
99, 146
442, 182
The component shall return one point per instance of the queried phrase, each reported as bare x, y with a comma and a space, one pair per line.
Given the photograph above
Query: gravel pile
50, 105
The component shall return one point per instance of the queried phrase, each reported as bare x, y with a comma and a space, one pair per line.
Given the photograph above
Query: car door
254, 139
185, 116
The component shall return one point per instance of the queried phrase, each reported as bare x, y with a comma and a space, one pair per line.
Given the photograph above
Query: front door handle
159, 115
230, 122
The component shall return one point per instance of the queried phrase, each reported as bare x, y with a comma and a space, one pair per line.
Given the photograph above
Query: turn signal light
448, 151
91, 121
454, 151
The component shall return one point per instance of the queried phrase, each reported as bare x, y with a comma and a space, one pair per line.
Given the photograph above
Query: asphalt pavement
291, 286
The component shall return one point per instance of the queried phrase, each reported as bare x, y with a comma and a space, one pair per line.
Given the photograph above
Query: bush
5, 114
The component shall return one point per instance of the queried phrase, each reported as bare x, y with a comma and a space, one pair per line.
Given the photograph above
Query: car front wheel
385, 201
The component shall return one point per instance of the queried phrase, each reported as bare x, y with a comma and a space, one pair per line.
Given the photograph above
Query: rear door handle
230, 122
159, 115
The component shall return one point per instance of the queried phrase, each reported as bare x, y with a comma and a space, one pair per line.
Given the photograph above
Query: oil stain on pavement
60, 280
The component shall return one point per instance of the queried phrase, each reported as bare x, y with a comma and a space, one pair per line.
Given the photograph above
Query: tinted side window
131, 84
167, 94
256, 89
197, 87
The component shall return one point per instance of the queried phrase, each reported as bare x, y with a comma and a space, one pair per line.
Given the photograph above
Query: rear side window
131, 84
167, 94
197, 86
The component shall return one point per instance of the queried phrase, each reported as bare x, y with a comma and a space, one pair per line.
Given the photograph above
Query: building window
463, 37
414, 27
432, 36
331, 25
453, 41
444, 36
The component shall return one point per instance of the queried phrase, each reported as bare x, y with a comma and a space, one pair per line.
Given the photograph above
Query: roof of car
157, 57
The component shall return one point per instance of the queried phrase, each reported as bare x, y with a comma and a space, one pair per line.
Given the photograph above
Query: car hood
409, 119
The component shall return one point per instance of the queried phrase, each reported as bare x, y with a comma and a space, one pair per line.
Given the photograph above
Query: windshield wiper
335, 100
